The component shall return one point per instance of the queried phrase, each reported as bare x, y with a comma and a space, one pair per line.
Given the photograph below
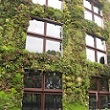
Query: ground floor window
99, 96
42, 91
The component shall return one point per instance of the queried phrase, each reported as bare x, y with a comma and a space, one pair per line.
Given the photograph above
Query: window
99, 94
42, 91
51, 3
96, 49
43, 36
93, 12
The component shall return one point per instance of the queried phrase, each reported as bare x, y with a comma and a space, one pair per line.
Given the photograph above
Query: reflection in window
100, 44
98, 20
92, 102
32, 80
53, 47
90, 55
31, 102
41, 2
34, 44
104, 101
103, 85
53, 81
97, 10
93, 83
55, 4
89, 40
88, 15
53, 30
36, 26
87, 4
101, 58
53, 102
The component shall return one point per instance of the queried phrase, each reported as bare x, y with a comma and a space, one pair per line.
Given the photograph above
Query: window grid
96, 15
100, 90
45, 37
42, 91
95, 48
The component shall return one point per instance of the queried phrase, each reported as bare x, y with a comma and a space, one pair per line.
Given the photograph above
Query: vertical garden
77, 71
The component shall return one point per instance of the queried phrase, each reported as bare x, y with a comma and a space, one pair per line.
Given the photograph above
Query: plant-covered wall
14, 19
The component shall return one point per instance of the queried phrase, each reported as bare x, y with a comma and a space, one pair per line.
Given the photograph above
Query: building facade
54, 55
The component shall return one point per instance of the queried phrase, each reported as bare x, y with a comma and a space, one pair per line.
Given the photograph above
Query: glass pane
100, 44
34, 44
31, 102
53, 47
55, 4
90, 54
88, 15
53, 102
32, 80
97, 10
53, 81
104, 101
102, 58
53, 30
93, 84
92, 102
41, 2
36, 26
89, 40
103, 85
87, 4
98, 20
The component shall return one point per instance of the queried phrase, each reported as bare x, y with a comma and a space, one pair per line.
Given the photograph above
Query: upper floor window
96, 49
51, 3
43, 36
42, 91
93, 12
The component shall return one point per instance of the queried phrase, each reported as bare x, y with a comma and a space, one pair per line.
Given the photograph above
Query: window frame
44, 36
95, 14
43, 90
95, 48
97, 93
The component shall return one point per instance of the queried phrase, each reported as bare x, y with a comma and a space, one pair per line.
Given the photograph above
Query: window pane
53, 47
55, 4
92, 102
89, 40
102, 58
53, 30
98, 20
53, 81
103, 85
97, 10
87, 4
31, 102
53, 102
41, 2
32, 80
88, 15
100, 44
104, 101
36, 26
34, 44
90, 55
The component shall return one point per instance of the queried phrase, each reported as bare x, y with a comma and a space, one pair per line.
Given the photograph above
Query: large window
42, 91
99, 96
51, 3
93, 12
96, 49
44, 36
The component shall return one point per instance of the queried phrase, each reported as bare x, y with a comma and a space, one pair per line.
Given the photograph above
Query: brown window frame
97, 93
44, 36
95, 49
43, 91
